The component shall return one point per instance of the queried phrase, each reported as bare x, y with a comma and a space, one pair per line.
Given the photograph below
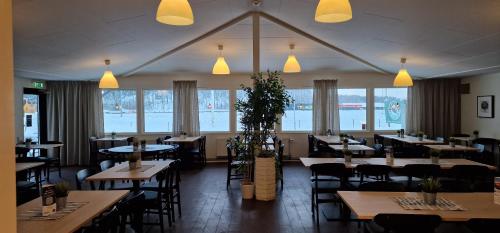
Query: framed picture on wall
486, 106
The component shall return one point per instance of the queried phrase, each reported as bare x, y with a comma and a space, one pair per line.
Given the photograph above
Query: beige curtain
186, 117
74, 113
325, 107
434, 107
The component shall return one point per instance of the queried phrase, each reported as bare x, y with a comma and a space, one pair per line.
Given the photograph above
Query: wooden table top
352, 147
98, 202
26, 166
149, 148
108, 139
120, 172
412, 140
186, 139
398, 163
447, 147
464, 139
368, 204
333, 139
41, 146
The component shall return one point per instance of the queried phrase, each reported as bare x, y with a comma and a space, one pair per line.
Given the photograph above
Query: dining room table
459, 207
88, 205
350, 147
182, 139
148, 148
123, 172
449, 148
412, 140
111, 140
333, 139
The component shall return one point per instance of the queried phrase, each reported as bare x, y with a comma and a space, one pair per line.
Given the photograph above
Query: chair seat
326, 186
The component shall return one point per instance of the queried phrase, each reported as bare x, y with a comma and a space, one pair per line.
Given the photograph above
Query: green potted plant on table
430, 187
420, 136
452, 142
265, 101
28, 142
435, 156
345, 143
113, 135
398, 132
347, 155
61, 193
475, 134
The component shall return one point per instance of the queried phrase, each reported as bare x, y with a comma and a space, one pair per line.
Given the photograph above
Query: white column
256, 42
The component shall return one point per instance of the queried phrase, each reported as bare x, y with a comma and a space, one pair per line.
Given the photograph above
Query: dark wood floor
208, 207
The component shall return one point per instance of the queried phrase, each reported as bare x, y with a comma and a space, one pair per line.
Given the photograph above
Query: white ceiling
68, 40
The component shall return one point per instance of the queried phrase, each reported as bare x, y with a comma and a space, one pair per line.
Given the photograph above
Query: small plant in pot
345, 143
143, 144
475, 134
342, 136
398, 132
347, 156
61, 193
420, 136
183, 135
113, 135
435, 156
430, 188
329, 133
452, 142
28, 142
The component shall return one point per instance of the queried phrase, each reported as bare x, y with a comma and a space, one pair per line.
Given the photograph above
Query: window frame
137, 112
229, 112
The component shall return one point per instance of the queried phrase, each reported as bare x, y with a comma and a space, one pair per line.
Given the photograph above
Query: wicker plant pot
265, 179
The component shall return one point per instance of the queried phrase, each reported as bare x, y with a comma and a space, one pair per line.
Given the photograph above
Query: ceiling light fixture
292, 64
175, 12
108, 80
333, 11
220, 66
403, 78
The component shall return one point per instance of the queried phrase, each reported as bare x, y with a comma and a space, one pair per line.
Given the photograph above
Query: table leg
136, 185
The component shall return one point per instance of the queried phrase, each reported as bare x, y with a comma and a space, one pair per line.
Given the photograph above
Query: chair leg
59, 168
228, 180
179, 202
160, 218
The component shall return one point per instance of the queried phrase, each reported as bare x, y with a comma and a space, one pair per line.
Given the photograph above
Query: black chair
157, 201
80, 177
130, 140
373, 172
472, 178
159, 141
415, 172
313, 152
131, 211
55, 158
404, 223
483, 225
233, 172
382, 186
200, 152
106, 223
280, 162
379, 150
105, 165
490, 149
327, 187
377, 139
174, 192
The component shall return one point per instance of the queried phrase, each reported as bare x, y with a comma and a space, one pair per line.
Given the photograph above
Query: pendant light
292, 64
220, 66
403, 78
175, 12
333, 11
108, 80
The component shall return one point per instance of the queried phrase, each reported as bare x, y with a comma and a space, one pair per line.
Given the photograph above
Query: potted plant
420, 136
452, 142
183, 135
329, 133
430, 187
347, 155
345, 143
398, 132
402, 133
266, 101
143, 144
113, 135
475, 134
61, 193
28, 142
435, 156
389, 156
343, 136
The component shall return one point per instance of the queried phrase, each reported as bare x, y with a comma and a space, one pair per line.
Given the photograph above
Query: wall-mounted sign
38, 84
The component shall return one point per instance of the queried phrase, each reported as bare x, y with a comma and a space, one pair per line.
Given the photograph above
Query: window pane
158, 114
120, 111
298, 116
240, 94
352, 109
214, 110
390, 108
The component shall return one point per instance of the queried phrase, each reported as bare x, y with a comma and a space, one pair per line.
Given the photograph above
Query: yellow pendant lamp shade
403, 78
220, 66
108, 80
292, 65
175, 12
333, 11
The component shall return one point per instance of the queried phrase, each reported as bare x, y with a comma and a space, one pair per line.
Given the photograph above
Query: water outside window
158, 111
120, 111
390, 108
352, 109
31, 117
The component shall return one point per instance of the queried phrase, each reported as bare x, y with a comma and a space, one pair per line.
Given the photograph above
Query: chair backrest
329, 169
490, 144
22, 152
477, 178
483, 225
381, 171
377, 139
460, 135
480, 147
80, 177
107, 223
229, 149
310, 140
363, 141
382, 186
422, 170
106, 164
130, 140
281, 150
167, 137
159, 141
133, 207
203, 144
408, 223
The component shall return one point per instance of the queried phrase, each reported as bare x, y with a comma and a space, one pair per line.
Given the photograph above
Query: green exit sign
38, 85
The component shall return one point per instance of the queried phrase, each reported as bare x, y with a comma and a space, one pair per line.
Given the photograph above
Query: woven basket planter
265, 179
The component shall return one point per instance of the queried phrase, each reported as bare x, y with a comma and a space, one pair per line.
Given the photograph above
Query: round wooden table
150, 148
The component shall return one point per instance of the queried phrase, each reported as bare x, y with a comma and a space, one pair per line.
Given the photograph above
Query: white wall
481, 85
232, 82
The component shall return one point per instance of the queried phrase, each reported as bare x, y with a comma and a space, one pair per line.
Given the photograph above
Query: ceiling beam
464, 72
322, 42
193, 41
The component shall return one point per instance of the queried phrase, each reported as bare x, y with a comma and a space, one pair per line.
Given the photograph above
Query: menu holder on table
412, 203
48, 199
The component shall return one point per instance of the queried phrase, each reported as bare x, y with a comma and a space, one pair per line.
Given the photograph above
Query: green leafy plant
435, 153
398, 132
430, 185
133, 158
28, 139
346, 140
347, 152
61, 189
476, 132
420, 134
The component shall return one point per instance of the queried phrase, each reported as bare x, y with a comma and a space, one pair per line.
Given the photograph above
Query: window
158, 111
120, 111
298, 116
352, 109
390, 108
241, 95
214, 110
